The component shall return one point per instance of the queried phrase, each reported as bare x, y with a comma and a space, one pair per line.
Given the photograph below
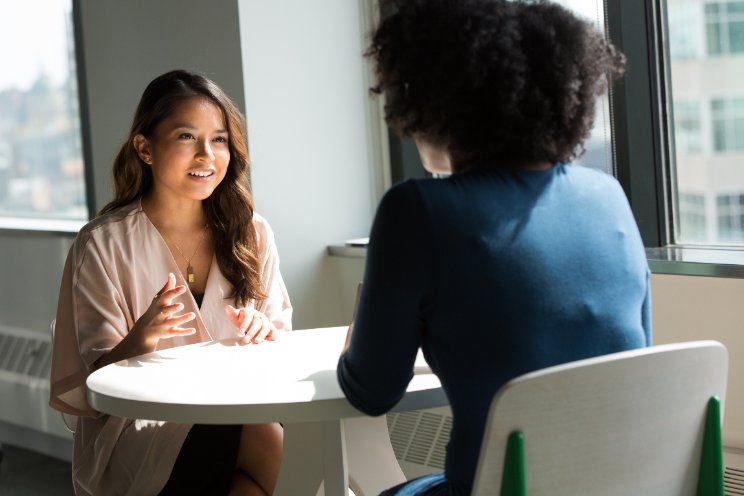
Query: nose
204, 151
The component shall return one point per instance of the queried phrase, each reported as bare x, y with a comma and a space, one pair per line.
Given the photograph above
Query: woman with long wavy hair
178, 257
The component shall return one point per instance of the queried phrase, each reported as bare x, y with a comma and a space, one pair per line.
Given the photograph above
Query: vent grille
25, 355
733, 482
420, 437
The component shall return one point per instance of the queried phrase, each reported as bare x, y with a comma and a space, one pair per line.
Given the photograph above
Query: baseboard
33, 440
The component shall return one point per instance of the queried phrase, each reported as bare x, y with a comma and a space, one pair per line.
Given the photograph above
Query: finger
171, 309
169, 294
178, 331
265, 330
177, 320
169, 283
255, 326
244, 320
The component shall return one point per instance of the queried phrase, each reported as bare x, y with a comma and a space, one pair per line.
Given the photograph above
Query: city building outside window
730, 217
705, 44
688, 126
728, 124
41, 162
724, 27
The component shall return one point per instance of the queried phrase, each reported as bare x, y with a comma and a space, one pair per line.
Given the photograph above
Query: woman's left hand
253, 326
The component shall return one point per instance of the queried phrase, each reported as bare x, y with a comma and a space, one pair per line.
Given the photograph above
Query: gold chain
190, 277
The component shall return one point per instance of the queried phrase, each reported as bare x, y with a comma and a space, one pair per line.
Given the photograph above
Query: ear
142, 147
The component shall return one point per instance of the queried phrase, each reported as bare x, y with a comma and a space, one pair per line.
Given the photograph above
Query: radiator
25, 415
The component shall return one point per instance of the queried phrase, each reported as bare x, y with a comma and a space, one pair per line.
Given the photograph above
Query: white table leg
336, 453
372, 463
313, 452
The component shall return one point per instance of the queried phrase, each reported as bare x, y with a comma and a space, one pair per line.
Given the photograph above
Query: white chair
645, 422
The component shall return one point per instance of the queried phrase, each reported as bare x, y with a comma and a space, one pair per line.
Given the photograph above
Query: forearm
133, 344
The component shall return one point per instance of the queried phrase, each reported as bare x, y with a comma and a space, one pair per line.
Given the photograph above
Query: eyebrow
189, 126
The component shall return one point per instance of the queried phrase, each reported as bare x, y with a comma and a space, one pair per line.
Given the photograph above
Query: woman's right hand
159, 321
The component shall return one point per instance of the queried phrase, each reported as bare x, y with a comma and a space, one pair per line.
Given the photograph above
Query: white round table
291, 380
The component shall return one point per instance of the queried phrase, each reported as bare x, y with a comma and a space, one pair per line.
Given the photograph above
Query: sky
33, 39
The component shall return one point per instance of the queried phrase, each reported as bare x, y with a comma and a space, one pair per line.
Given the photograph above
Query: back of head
496, 82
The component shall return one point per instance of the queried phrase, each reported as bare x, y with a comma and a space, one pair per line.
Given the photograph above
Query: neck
182, 216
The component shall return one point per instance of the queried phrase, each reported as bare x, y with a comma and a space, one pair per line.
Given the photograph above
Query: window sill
674, 260
40, 226
697, 261
346, 251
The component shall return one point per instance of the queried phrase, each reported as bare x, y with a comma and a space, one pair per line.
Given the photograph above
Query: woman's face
188, 153
434, 159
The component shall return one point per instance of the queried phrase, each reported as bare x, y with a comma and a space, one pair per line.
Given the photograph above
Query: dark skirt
207, 461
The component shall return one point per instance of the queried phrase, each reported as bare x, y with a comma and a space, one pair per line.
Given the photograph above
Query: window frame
641, 115
68, 226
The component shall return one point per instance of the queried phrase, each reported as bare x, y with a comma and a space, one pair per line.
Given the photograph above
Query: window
707, 95
688, 127
685, 31
598, 154
730, 217
692, 215
41, 162
724, 27
728, 124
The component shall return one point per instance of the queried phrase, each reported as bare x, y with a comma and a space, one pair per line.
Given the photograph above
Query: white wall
127, 44
687, 308
311, 145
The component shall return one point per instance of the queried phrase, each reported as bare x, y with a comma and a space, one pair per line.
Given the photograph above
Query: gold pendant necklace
190, 277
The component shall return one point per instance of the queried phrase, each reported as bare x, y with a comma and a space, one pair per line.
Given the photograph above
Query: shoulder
406, 197
113, 226
589, 176
116, 219
264, 233
261, 225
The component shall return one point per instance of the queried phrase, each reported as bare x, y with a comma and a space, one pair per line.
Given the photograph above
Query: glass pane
713, 167
735, 8
41, 165
714, 39
736, 37
598, 153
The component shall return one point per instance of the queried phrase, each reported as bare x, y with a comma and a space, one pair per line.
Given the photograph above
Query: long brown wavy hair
229, 209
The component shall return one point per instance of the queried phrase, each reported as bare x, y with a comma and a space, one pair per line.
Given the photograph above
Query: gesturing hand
253, 326
160, 321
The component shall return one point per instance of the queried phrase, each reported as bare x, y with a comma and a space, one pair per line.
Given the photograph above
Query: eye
220, 139
186, 136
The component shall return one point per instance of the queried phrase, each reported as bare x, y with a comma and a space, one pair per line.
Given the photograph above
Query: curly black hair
496, 82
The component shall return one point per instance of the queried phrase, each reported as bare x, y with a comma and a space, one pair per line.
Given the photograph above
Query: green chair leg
513, 481
710, 478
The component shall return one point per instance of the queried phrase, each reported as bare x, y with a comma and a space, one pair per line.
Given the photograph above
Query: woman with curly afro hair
518, 260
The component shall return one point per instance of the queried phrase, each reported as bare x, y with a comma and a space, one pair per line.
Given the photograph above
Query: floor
26, 473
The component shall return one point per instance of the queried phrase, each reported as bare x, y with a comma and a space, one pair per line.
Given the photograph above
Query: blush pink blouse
117, 264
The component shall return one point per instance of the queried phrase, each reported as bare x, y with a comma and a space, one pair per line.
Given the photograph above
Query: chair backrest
69, 420
626, 423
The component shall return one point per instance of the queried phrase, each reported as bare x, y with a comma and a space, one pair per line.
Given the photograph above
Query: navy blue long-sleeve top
493, 273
